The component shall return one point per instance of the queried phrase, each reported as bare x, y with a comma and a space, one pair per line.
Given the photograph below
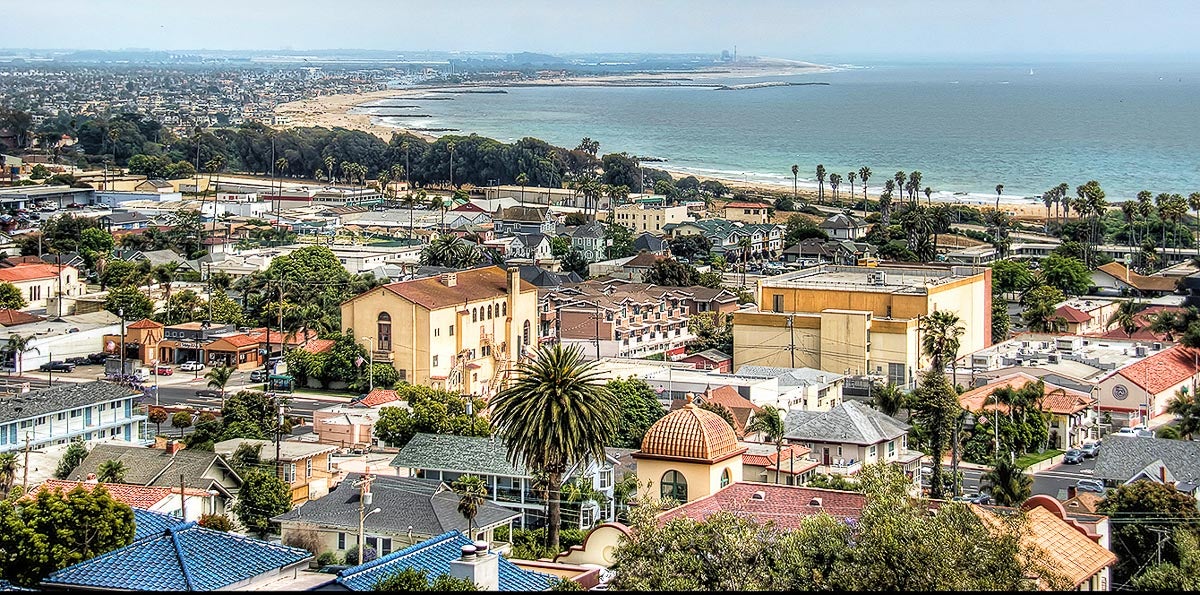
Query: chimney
91, 478
1162, 474
174, 446
479, 566
449, 279
514, 280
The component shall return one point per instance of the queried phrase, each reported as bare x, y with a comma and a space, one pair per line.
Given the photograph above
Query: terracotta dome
691, 433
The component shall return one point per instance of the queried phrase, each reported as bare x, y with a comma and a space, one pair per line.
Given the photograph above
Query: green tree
472, 493
1126, 317
721, 410
430, 411
1010, 276
889, 399
1007, 483
619, 240
450, 251
1001, 322
181, 421
1138, 512
713, 330
1169, 577
11, 298
217, 378
111, 471
800, 228
669, 272
39, 172
640, 408
131, 301
936, 410
216, 522
1186, 408
768, 422
1040, 311
263, 495
8, 471
941, 336
1069, 275
414, 579
574, 262
554, 415
72, 457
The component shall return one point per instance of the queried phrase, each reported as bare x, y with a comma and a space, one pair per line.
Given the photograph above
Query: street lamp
370, 363
364, 500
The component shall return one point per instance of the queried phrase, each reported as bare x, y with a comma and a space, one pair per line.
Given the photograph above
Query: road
1054, 481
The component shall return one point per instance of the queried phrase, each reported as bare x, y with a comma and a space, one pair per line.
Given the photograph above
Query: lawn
1036, 457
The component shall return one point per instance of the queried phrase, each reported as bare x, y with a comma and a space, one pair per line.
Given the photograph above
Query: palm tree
852, 176
1129, 212
1194, 202
1126, 317
1047, 199
834, 181
744, 244
522, 179
889, 399
218, 377
555, 415
330, 161
448, 250
1186, 407
1007, 483
885, 208
111, 471
928, 194
899, 178
999, 191
1160, 203
1165, 323
164, 275
795, 182
821, 184
1061, 191
18, 346
864, 174
942, 333
769, 423
8, 471
914, 179
472, 493
450, 147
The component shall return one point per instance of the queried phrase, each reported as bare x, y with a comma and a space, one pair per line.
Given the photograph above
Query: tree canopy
640, 408
432, 411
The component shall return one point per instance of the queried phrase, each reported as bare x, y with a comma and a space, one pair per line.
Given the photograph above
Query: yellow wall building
640, 217
860, 320
689, 453
454, 331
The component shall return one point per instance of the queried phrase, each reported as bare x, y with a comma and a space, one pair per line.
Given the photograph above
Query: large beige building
40, 282
860, 320
454, 331
640, 217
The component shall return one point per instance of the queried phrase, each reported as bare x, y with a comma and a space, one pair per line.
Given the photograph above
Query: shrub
328, 558
216, 522
352, 555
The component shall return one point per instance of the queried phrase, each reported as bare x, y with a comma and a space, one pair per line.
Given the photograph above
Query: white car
191, 367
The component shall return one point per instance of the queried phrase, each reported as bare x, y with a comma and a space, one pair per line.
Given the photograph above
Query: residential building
851, 435
639, 217
654, 244
40, 282
617, 319
844, 226
629, 268
1116, 277
860, 320
1087, 316
530, 246
710, 359
742, 409
790, 465
547, 279
450, 553
411, 511
1144, 320
798, 388
206, 471
765, 239
305, 467
588, 239
514, 220
746, 212
1072, 413
92, 411
1124, 459
445, 458
1071, 549
458, 331
817, 251
346, 426
186, 557
187, 504
124, 221
688, 454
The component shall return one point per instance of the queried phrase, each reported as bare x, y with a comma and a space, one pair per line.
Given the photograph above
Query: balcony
844, 467
508, 494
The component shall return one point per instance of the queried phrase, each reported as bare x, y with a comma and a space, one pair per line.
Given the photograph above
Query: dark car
208, 393
57, 366
258, 376
79, 361
97, 358
1073, 457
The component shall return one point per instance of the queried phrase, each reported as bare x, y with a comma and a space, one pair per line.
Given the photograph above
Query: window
474, 314
503, 309
525, 333
329, 463
891, 449
452, 330
435, 360
341, 541
489, 311
60, 416
874, 451
673, 486
778, 302
308, 468
725, 478
289, 473
437, 332
605, 481
897, 373
383, 332
76, 413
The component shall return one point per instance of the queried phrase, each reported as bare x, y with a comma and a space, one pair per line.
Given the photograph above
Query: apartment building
746, 212
641, 217
456, 331
765, 239
860, 320
90, 411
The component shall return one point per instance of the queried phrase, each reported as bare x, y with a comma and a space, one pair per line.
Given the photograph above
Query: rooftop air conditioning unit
1157, 346
1140, 351
1052, 358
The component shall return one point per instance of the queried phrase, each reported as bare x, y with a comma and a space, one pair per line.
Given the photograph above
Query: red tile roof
1055, 399
133, 495
16, 317
235, 341
1162, 370
28, 272
785, 505
1073, 314
739, 406
319, 345
379, 396
144, 323
475, 284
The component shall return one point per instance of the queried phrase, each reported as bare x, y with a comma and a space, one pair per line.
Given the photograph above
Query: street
1054, 481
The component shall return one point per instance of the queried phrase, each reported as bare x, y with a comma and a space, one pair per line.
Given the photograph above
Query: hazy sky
778, 28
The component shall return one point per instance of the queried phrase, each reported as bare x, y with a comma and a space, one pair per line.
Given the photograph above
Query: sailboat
1030, 72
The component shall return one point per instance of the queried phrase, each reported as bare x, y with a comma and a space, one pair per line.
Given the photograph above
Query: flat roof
32, 191
877, 279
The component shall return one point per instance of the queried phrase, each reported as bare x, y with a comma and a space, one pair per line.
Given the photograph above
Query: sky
797, 29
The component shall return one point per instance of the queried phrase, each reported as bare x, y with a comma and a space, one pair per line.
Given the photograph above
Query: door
825, 457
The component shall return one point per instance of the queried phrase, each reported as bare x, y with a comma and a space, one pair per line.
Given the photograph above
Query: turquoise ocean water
965, 127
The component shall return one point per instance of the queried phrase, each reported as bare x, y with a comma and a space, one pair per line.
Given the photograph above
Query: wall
761, 338
702, 479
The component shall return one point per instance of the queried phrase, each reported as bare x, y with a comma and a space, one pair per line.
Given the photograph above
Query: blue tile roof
148, 522
7, 586
434, 556
185, 557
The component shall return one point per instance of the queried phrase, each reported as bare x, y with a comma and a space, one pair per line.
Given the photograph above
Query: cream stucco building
640, 217
689, 453
455, 331
860, 320
38, 283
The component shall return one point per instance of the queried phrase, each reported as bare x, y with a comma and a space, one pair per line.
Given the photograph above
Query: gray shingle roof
149, 466
851, 423
482, 456
427, 507
1122, 457
790, 376
60, 398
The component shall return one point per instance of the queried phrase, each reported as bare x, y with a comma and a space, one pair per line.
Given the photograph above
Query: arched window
383, 332
525, 334
489, 311
725, 477
474, 314
673, 486
503, 308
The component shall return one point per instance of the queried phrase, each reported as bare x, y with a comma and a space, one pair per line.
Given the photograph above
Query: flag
358, 361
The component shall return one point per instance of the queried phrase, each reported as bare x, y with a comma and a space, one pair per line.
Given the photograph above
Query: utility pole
182, 499
121, 313
364, 500
792, 338
597, 330
25, 469
278, 430
1162, 533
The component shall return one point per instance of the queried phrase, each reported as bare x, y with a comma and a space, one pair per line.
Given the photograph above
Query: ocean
966, 127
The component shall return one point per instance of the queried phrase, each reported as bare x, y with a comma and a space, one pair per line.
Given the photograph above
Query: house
1072, 413
17, 318
786, 506
347, 426
124, 221
765, 239
746, 212
91, 411
742, 409
850, 435
617, 319
588, 239
1086, 316
544, 278
1116, 277
202, 470
630, 268
532, 246
1144, 319
40, 282
791, 465
458, 331
172, 502
306, 467
72, 259
844, 226
411, 511
186, 557
640, 217
710, 359
795, 388
445, 458
818, 251
648, 242
1144, 387
1068, 548
450, 553
158, 185
688, 454
1124, 459
521, 219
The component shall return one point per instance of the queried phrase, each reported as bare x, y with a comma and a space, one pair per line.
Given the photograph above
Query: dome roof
690, 433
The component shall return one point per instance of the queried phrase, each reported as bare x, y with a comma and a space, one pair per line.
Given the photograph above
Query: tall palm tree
330, 161
411, 200
821, 184
744, 245
555, 415
522, 180
834, 181
941, 336
885, 208
929, 194
18, 346
472, 493
899, 178
1187, 409
889, 399
8, 471
1194, 203
914, 179
111, 471
1047, 199
218, 377
851, 176
1165, 323
450, 147
1061, 191
1007, 483
999, 191
1129, 213
795, 182
864, 174
397, 171
769, 423
1160, 203
1126, 317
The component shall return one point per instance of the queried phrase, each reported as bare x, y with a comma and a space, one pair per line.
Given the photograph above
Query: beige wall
702, 479
761, 339
833, 341
652, 220
37, 291
328, 537
844, 337
746, 215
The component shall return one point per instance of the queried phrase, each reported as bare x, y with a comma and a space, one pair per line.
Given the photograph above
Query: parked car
162, 370
142, 374
191, 366
57, 366
1073, 457
79, 361
1091, 449
258, 376
97, 358
1090, 485
1140, 431
205, 392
